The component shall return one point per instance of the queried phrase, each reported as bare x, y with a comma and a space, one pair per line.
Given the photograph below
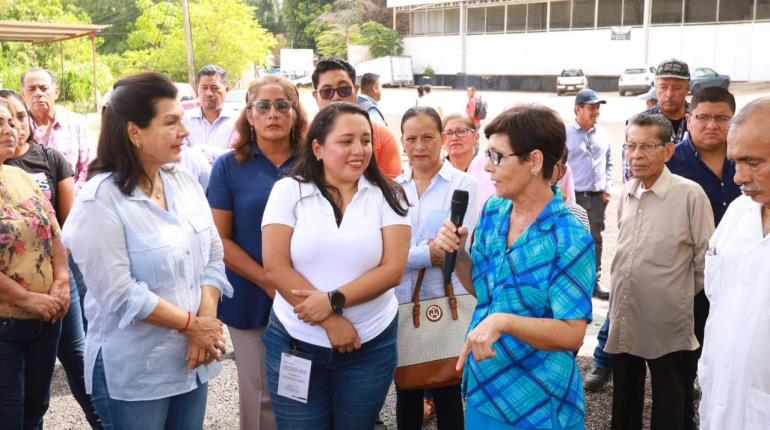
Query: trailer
394, 70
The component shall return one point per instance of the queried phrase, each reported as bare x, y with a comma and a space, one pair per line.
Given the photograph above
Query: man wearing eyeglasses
588, 145
334, 81
702, 158
664, 225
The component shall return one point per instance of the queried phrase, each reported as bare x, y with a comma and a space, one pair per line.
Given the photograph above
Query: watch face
338, 300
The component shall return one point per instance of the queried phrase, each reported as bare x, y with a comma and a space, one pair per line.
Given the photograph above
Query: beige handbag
431, 334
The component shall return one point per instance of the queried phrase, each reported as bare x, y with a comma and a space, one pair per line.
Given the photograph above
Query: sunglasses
327, 93
281, 106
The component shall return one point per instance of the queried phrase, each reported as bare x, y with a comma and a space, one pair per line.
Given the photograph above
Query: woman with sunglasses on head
429, 184
461, 140
532, 269
335, 243
53, 174
269, 132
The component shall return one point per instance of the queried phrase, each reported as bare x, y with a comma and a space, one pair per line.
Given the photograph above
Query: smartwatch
337, 300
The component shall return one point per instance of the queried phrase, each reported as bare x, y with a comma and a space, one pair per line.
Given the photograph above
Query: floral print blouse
27, 228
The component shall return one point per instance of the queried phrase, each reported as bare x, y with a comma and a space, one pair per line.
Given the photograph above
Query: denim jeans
346, 391
72, 345
601, 358
76, 278
27, 357
181, 412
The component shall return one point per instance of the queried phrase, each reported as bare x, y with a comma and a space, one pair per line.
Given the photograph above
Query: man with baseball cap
672, 85
589, 157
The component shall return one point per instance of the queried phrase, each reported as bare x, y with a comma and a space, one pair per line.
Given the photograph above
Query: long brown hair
310, 169
246, 136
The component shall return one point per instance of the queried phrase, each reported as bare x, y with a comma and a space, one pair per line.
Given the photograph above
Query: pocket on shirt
152, 261
203, 228
712, 274
757, 415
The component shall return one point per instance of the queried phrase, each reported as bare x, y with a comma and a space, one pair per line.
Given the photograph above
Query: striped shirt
549, 272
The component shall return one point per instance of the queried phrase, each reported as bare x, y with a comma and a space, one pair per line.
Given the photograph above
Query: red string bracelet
187, 324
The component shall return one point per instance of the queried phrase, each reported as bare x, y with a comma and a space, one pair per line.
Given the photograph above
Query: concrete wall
739, 50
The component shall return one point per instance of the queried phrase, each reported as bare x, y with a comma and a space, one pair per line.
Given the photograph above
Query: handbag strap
416, 299
450, 293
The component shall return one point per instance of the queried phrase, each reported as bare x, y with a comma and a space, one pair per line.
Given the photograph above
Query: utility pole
188, 33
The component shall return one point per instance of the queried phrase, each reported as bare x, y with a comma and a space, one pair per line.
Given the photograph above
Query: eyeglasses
719, 119
328, 92
281, 106
644, 147
458, 133
496, 157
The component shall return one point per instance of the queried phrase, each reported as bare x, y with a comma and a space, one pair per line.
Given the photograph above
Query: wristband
187, 324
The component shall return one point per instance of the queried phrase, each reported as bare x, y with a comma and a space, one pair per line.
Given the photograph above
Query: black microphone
457, 213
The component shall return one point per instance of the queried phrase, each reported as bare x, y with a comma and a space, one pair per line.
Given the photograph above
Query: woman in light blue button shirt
429, 185
143, 236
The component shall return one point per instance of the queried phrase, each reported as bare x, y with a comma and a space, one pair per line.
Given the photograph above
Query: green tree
382, 40
224, 32
345, 14
269, 15
300, 16
119, 14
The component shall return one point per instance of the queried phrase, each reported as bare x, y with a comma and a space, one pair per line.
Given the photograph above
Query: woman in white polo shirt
335, 243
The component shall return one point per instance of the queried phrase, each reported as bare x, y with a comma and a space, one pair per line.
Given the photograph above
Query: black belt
589, 193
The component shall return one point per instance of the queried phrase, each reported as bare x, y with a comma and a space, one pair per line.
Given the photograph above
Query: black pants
449, 408
669, 404
701, 313
595, 207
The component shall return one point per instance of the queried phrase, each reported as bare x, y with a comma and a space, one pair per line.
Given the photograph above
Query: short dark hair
212, 70
311, 170
133, 99
532, 127
368, 80
39, 69
423, 110
324, 66
426, 88
713, 95
645, 119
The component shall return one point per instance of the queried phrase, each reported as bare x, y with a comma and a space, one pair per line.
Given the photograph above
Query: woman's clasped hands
316, 309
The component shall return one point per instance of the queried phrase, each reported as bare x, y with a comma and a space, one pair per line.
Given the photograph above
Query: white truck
571, 80
297, 62
393, 70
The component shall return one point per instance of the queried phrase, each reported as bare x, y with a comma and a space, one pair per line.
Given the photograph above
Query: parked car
235, 101
571, 80
637, 80
704, 77
186, 95
303, 82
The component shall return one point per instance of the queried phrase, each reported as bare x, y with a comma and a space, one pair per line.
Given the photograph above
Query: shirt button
724, 203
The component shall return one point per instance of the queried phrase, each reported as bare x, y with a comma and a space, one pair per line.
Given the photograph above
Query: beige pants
255, 406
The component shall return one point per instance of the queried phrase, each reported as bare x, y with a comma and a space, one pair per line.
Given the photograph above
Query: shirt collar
577, 127
365, 97
446, 172
309, 188
198, 113
547, 218
659, 188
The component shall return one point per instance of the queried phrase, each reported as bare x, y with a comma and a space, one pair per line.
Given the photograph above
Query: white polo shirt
329, 256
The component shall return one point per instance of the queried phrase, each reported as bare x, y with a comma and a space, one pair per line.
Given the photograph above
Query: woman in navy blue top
268, 132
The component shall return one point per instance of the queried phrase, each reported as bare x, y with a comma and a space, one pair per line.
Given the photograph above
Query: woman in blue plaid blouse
532, 269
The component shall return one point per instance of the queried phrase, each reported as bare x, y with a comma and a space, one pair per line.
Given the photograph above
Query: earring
138, 145
535, 173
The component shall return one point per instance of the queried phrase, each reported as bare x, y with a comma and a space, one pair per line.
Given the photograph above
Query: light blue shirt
133, 253
197, 165
428, 214
210, 139
589, 157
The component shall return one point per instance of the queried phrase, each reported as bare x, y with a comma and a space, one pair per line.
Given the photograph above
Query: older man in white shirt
211, 126
733, 371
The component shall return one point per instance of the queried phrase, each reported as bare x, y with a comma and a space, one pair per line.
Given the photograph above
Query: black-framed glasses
327, 93
719, 119
458, 133
496, 157
263, 106
645, 147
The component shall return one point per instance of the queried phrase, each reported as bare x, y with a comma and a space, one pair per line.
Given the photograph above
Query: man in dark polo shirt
702, 158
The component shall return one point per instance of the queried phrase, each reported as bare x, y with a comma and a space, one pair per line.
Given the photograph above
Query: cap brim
684, 78
595, 102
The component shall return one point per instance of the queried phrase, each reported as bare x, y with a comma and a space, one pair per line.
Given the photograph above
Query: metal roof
38, 32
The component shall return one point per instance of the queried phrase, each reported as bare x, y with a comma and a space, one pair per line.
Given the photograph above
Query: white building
510, 44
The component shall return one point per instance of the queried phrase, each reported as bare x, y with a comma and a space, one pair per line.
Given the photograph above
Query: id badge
294, 377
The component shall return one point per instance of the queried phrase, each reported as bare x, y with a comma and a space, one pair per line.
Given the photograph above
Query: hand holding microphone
452, 237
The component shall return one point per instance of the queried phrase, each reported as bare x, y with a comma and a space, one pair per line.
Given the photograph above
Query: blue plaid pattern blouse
549, 272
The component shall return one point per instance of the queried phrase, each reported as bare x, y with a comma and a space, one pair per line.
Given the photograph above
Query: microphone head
459, 201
